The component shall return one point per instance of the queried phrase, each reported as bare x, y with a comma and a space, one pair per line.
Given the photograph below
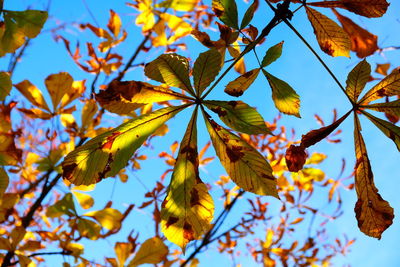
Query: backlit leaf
363, 42
64, 206
285, 98
114, 23
244, 164
188, 207
171, 69
374, 214
272, 54
226, 11
9, 153
179, 5
389, 86
366, 8
11, 36
152, 251
32, 93
332, 39
58, 85
124, 97
5, 85
30, 22
78, 88
248, 16
389, 129
357, 79
85, 200
242, 83
205, 69
109, 218
88, 229
392, 108
239, 116
382, 68
3, 182
122, 250
106, 154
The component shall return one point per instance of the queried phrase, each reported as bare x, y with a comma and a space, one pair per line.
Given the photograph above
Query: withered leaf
242, 83
366, 8
389, 86
295, 157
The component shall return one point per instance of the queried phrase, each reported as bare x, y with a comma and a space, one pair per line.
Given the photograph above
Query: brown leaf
382, 68
374, 214
366, 8
295, 158
363, 42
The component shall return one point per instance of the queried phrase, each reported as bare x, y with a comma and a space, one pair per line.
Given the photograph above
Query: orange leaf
366, 8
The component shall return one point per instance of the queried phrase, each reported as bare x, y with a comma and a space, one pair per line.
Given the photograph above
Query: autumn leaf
106, 154
272, 54
170, 69
9, 153
88, 228
363, 42
366, 8
64, 206
285, 98
226, 11
126, 96
179, 5
108, 218
357, 79
85, 200
33, 94
205, 69
242, 83
188, 208
389, 129
374, 214
248, 15
123, 251
4, 180
389, 86
295, 157
332, 39
58, 85
239, 116
5, 85
114, 23
152, 251
392, 108
244, 164
382, 68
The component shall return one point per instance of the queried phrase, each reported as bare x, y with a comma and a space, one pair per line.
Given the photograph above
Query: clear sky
297, 66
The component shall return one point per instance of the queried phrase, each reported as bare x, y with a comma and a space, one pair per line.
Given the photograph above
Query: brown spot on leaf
234, 153
295, 158
110, 140
233, 104
164, 203
234, 92
171, 220
194, 197
188, 232
106, 169
381, 92
215, 125
219, 111
327, 48
68, 170
191, 154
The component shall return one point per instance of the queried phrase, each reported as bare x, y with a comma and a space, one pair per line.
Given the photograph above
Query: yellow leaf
88, 111
32, 93
78, 88
392, 108
109, 218
366, 8
152, 251
188, 207
179, 5
242, 83
5, 85
114, 23
244, 164
177, 26
58, 85
85, 200
389, 86
332, 39
146, 16
4, 180
382, 68
75, 248
357, 79
68, 120
123, 251
9, 153
374, 214
17, 234
36, 113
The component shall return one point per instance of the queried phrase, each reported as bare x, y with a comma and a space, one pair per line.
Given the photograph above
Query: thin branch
44, 254
14, 60
93, 86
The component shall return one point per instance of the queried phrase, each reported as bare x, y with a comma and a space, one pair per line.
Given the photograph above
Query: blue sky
297, 66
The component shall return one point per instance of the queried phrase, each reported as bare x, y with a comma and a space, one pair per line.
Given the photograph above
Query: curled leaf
295, 157
242, 83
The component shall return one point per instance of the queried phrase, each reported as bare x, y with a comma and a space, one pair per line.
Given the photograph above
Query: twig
44, 254
14, 60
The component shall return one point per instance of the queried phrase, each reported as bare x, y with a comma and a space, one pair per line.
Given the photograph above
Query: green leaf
30, 22
205, 69
5, 85
389, 86
11, 36
188, 208
171, 69
272, 54
239, 116
243, 163
106, 154
226, 11
357, 79
242, 83
389, 129
285, 98
152, 251
248, 16
88, 229
4, 180
392, 108
64, 206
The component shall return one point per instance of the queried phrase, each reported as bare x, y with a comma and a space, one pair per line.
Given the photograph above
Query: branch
43, 254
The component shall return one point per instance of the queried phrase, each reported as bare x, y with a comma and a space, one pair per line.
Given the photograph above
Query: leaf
374, 214
114, 23
285, 98
239, 116
88, 111
4, 180
9, 153
366, 8
124, 97
78, 88
33, 94
17, 234
188, 208
242, 83
389, 86
295, 157
226, 11
88, 229
272, 54
109, 218
382, 68
392, 108
244, 164
106, 154
11, 36
85, 200
58, 85
248, 16
357, 79
389, 129
363, 42
179, 5
5, 85
30, 22
152, 251
332, 39
123, 251
205, 69
64, 206
171, 69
